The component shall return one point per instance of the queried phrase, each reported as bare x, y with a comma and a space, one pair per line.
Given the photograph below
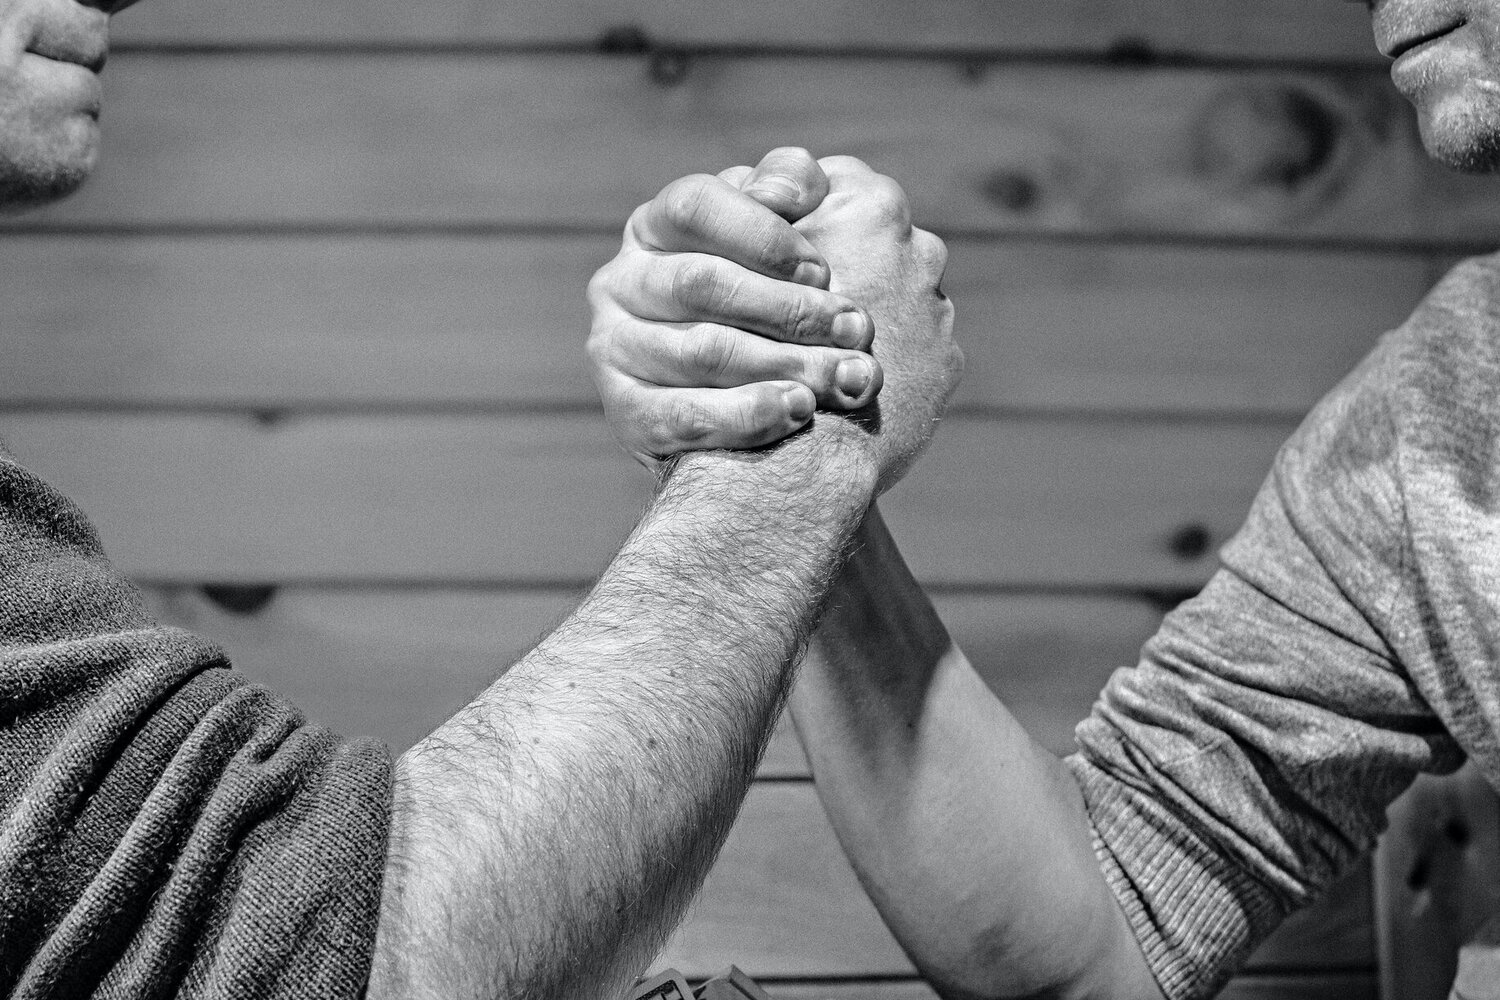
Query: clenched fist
739, 302
879, 259
713, 326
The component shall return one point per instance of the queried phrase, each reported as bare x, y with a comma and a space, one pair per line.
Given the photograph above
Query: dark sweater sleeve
166, 829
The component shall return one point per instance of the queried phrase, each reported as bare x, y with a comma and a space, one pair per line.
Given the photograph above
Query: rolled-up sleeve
1247, 761
166, 829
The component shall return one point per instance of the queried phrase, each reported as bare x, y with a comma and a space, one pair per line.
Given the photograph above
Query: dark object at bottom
669, 985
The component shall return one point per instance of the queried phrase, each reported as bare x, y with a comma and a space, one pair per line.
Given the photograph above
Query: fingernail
799, 403
810, 272
779, 187
852, 377
849, 330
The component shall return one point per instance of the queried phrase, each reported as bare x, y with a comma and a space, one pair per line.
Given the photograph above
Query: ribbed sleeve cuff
1195, 916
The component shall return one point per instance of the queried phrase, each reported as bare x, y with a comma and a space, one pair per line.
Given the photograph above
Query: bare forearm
547, 838
971, 839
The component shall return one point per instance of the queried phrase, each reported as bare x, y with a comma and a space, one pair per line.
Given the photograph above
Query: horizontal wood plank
186, 497
394, 663
1336, 986
500, 321
1272, 29
782, 901
462, 141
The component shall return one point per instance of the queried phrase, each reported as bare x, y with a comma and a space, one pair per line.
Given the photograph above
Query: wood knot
1012, 190
268, 418
1190, 542
240, 598
625, 40
1277, 136
1131, 51
669, 67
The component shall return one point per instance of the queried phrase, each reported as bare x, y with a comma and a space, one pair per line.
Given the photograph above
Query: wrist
830, 460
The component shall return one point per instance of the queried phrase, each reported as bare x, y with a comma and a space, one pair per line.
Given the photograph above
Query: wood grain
782, 901
394, 663
1272, 29
496, 322
466, 141
1023, 502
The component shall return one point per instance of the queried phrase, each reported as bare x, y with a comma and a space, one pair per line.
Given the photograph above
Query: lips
90, 59
1402, 25
1406, 43
74, 34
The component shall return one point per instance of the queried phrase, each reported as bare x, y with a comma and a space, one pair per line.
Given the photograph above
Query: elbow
1098, 961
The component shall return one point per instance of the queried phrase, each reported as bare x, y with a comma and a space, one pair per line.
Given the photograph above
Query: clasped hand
740, 303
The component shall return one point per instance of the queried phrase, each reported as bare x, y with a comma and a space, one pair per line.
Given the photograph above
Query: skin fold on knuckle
805, 320
933, 250
603, 288
697, 288
599, 348
759, 418
679, 422
686, 205
780, 249
889, 203
638, 228
708, 352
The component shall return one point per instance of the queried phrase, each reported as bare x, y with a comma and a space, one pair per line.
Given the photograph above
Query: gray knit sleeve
166, 829
1246, 762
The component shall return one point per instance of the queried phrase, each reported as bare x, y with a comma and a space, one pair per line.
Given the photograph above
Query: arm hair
547, 838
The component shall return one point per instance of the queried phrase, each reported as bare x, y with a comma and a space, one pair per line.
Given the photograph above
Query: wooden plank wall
309, 347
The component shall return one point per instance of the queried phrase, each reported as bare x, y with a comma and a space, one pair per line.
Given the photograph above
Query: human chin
49, 133
1461, 129
39, 168
1453, 81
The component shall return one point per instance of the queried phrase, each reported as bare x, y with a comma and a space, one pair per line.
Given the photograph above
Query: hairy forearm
971, 839
547, 838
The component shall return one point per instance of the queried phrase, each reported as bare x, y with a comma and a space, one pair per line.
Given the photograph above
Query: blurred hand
714, 326
877, 258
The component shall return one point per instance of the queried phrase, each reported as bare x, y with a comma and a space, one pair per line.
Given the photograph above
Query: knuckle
600, 346
888, 200
640, 216
602, 285
708, 351
696, 284
683, 204
803, 322
778, 251
934, 250
756, 414
684, 422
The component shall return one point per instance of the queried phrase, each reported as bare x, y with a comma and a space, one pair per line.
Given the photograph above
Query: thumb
788, 181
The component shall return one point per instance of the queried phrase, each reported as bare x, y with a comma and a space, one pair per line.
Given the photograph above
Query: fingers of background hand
699, 288
882, 199
655, 422
788, 181
705, 355
705, 214
933, 253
